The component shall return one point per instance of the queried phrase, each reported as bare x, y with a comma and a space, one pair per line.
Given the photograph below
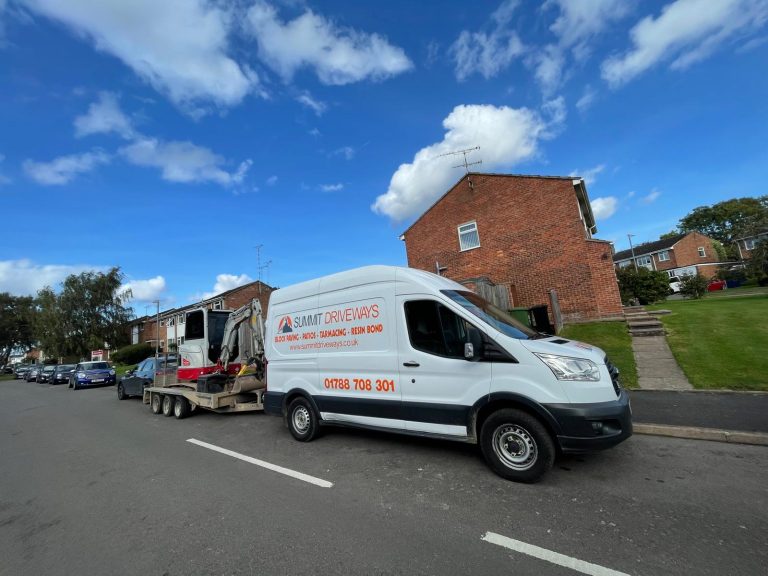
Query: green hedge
132, 354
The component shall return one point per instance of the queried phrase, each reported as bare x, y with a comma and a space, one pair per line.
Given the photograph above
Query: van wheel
168, 402
302, 420
181, 407
156, 403
517, 446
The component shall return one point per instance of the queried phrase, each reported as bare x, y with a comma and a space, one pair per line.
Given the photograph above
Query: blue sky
172, 138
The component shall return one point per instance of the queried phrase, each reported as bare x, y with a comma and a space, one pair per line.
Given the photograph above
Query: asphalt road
92, 485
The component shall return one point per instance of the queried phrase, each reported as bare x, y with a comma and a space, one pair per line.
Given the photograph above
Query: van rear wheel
156, 403
168, 402
181, 407
302, 420
517, 446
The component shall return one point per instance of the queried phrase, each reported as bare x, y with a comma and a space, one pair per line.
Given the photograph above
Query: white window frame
750, 243
671, 273
664, 256
217, 305
646, 261
171, 322
470, 227
702, 252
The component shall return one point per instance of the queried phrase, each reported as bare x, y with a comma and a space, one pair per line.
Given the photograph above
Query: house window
468, 236
702, 253
663, 255
750, 243
171, 321
162, 322
162, 344
645, 261
625, 263
182, 318
671, 273
217, 305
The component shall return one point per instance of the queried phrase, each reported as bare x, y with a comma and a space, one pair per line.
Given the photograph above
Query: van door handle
411, 364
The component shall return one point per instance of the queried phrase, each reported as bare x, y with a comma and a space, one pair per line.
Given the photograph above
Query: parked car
62, 373
92, 374
716, 285
7, 369
21, 371
45, 373
674, 285
134, 381
31, 375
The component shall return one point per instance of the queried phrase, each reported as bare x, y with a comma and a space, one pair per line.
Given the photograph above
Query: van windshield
489, 314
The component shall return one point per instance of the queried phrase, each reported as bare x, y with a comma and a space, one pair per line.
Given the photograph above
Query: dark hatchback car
88, 374
21, 371
31, 374
134, 381
62, 374
45, 373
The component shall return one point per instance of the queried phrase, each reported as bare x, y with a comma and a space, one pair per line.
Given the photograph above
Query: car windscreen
95, 366
490, 314
49, 368
65, 367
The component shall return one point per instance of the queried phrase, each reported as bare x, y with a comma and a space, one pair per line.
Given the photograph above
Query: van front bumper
592, 427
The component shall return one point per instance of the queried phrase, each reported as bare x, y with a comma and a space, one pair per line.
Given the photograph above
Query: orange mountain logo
285, 325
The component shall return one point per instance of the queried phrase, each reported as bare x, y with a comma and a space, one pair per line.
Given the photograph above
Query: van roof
408, 278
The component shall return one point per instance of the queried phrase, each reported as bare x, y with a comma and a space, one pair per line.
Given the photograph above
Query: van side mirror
469, 351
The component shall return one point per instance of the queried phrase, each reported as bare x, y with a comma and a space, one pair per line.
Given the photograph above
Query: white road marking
550, 556
263, 464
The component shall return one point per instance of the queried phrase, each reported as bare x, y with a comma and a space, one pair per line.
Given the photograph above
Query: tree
693, 285
16, 319
647, 286
89, 312
758, 265
728, 220
670, 234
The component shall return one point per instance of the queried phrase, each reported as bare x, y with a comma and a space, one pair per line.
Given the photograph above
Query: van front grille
614, 372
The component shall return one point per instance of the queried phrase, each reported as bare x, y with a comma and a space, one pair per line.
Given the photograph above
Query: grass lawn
721, 341
614, 339
7, 377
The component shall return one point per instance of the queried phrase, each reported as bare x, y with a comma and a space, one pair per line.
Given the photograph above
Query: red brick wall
531, 237
245, 294
686, 253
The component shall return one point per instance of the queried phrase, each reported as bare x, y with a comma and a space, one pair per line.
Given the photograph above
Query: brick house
171, 331
678, 255
746, 245
528, 234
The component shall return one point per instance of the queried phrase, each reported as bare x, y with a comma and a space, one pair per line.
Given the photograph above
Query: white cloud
25, 278
346, 152
331, 187
178, 46
587, 99
580, 21
589, 175
506, 136
145, 290
314, 132
337, 55
316, 106
64, 168
272, 180
183, 161
686, 32
225, 282
548, 64
650, 198
603, 208
104, 116
488, 53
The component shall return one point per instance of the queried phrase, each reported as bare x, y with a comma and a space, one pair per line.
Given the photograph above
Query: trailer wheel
156, 403
181, 407
517, 446
168, 402
302, 420
121, 395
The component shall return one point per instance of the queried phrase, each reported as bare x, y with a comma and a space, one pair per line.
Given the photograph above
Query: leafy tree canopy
728, 220
16, 324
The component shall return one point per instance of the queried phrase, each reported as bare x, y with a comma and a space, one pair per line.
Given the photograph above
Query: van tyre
168, 403
303, 421
181, 407
156, 403
517, 446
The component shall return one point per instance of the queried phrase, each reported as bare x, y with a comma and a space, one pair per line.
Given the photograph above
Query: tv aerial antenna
465, 164
259, 266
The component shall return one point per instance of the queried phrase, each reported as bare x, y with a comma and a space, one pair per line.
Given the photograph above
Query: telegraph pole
632, 249
157, 338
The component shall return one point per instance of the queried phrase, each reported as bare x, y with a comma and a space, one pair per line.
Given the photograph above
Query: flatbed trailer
215, 392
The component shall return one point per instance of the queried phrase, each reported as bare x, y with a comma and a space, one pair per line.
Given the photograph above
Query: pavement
93, 485
657, 369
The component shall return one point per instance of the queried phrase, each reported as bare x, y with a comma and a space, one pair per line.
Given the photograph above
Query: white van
408, 351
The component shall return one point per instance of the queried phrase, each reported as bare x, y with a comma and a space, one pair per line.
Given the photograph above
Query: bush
693, 286
132, 354
647, 286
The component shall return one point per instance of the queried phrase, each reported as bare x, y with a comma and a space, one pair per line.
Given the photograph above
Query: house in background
679, 255
746, 245
172, 322
525, 235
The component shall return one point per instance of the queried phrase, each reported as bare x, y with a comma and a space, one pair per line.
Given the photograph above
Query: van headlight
567, 368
